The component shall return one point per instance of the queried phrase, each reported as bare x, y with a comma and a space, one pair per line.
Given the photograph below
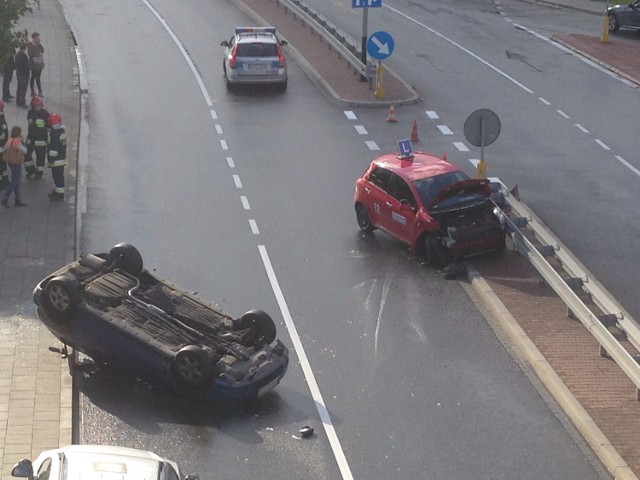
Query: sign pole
363, 54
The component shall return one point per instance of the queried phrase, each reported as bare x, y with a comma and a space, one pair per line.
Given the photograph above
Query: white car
76, 462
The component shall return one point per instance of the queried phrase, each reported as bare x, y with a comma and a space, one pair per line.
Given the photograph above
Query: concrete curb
602, 447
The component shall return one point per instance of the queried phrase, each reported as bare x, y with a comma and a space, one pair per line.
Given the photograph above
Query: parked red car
429, 204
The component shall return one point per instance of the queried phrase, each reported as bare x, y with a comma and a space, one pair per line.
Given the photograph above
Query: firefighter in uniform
36, 138
57, 155
4, 136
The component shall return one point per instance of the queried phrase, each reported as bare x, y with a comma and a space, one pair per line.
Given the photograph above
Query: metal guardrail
578, 276
331, 34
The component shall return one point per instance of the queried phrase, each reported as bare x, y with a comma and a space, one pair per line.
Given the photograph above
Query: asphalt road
414, 380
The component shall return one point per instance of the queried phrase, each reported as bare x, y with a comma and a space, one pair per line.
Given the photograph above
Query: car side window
45, 470
380, 177
402, 191
169, 473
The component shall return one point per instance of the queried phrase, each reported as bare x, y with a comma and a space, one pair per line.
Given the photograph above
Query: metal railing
613, 315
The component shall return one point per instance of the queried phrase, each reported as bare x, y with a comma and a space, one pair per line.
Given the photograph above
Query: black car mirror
23, 468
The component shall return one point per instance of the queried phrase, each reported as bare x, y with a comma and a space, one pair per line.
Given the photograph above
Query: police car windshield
428, 188
257, 50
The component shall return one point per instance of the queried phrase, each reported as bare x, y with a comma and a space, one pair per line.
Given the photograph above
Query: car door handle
367, 190
388, 204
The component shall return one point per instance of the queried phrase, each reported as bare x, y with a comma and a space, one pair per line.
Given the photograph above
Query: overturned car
110, 308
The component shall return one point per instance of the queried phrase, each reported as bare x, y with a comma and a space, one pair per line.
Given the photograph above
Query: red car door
399, 210
375, 194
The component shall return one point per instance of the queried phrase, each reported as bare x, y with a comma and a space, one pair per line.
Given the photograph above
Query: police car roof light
255, 30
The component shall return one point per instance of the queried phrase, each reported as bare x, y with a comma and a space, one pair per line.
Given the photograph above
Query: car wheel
614, 24
262, 329
435, 253
191, 367
363, 219
283, 86
126, 257
61, 297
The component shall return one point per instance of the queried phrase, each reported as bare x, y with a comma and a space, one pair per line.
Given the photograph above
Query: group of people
46, 137
28, 63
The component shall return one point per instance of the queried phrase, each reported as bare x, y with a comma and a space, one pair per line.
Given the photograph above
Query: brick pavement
35, 387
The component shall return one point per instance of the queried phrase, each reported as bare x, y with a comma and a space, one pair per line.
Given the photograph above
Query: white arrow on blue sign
380, 45
365, 3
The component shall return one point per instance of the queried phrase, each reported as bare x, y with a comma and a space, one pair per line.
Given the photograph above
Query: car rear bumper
236, 77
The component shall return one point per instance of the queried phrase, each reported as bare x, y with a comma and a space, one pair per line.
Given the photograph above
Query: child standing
13, 154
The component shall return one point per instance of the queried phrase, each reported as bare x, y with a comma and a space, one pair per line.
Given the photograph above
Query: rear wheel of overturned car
363, 219
61, 297
262, 329
435, 253
191, 367
127, 257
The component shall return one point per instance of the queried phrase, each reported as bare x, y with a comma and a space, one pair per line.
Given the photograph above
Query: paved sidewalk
35, 386
35, 393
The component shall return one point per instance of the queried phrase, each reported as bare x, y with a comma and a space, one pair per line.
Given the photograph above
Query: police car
254, 55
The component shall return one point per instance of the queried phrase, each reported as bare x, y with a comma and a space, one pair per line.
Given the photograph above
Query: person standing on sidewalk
37, 138
7, 75
36, 62
57, 155
4, 136
13, 154
22, 75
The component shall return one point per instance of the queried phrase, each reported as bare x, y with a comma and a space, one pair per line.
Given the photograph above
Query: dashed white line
219, 129
237, 181
230, 162
445, 130
563, 114
245, 202
461, 146
214, 115
254, 227
580, 127
329, 428
628, 165
350, 115
474, 162
223, 144
432, 115
360, 129
602, 144
372, 145
546, 102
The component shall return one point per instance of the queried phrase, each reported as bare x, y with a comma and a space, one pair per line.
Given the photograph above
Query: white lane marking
546, 102
466, 50
474, 162
461, 146
580, 57
245, 202
432, 115
563, 114
230, 162
372, 145
580, 127
383, 300
628, 165
445, 130
219, 129
306, 368
237, 181
214, 115
360, 129
350, 115
602, 144
223, 144
254, 227
203, 89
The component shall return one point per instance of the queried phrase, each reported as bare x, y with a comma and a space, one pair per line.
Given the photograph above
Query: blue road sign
365, 3
405, 148
380, 45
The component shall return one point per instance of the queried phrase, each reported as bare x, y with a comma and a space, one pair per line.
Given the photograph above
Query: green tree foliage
10, 13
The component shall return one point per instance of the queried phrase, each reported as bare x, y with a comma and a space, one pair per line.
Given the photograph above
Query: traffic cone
414, 132
391, 118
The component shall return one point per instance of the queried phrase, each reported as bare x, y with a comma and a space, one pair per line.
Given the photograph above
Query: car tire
283, 86
363, 219
263, 328
61, 297
191, 367
435, 253
614, 23
127, 257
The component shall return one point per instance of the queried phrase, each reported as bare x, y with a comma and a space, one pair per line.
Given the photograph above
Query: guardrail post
603, 352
